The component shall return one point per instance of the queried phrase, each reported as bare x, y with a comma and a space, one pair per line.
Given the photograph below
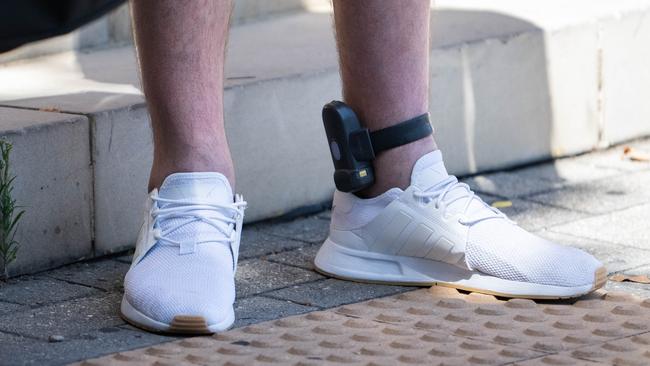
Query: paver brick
256, 241
65, 318
638, 289
601, 196
6, 307
568, 171
628, 227
535, 216
509, 184
643, 270
104, 274
10, 353
613, 158
40, 290
301, 257
15, 350
259, 308
125, 258
255, 276
310, 229
333, 292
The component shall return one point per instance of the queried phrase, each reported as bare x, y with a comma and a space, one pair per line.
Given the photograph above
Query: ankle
393, 167
163, 167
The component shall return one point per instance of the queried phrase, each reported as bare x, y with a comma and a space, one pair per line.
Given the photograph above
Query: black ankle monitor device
353, 147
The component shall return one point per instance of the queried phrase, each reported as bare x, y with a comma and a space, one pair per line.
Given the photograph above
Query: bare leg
384, 57
181, 49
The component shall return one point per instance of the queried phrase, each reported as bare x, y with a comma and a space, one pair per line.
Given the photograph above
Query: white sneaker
438, 232
182, 279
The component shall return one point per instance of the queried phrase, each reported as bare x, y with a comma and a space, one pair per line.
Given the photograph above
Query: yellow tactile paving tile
546, 327
438, 326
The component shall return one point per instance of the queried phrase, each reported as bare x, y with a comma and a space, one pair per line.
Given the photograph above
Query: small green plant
9, 212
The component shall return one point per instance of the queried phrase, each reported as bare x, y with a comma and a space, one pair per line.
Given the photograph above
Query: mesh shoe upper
165, 284
496, 245
505, 250
189, 269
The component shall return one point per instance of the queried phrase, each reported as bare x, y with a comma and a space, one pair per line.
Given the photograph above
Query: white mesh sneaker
182, 276
438, 232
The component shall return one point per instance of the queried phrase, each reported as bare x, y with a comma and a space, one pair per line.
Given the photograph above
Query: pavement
597, 201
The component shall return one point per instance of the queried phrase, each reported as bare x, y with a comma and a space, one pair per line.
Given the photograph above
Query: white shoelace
439, 194
212, 214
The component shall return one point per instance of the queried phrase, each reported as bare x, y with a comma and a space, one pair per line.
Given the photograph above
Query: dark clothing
24, 21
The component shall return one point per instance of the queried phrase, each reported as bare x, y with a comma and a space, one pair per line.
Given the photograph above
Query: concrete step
115, 27
510, 85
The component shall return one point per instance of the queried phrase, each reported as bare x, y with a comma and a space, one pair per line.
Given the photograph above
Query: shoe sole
361, 266
181, 324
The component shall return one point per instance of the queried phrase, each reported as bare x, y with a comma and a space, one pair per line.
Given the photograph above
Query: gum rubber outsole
189, 324
180, 325
601, 278
599, 281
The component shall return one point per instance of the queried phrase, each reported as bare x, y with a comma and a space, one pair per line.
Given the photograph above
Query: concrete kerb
56, 193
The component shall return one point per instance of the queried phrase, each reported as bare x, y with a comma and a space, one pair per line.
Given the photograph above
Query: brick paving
597, 201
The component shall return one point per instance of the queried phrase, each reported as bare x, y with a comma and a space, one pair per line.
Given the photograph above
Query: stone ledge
51, 161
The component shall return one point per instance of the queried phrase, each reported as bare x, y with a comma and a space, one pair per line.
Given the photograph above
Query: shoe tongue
199, 187
429, 171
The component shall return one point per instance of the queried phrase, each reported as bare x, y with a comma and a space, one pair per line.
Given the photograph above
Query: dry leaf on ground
635, 154
627, 278
501, 204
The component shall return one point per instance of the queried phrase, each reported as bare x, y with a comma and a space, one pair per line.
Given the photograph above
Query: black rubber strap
401, 133
365, 145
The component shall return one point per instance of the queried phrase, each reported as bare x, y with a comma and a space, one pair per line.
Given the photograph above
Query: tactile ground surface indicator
437, 326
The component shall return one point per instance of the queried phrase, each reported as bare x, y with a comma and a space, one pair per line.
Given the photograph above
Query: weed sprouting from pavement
10, 214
